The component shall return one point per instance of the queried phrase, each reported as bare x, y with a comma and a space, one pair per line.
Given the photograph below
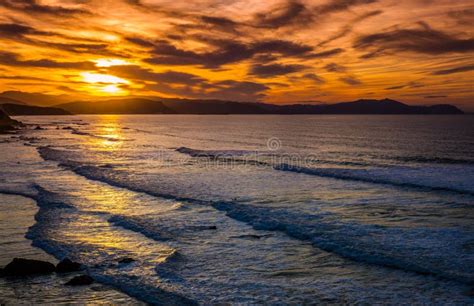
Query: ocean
252, 209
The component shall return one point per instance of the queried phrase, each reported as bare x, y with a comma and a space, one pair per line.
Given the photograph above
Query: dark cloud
190, 85
34, 7
435, 97
327, 53
341, 5
229, 90
454, 70
463, 17
424, 40
13, 30
239, 91
140, 42
284, 14
221, 23
315, 78
333, 67
345, 30
271, 70
138, 73
12, 59
227, 52
350, 80
21, 33
412, 84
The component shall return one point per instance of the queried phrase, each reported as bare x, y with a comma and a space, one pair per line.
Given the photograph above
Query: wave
434, 160
52, 215
82, 133
401, 177
427, 251
404, 177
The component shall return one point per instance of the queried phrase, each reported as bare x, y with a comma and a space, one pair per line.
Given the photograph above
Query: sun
101, 84
112, 89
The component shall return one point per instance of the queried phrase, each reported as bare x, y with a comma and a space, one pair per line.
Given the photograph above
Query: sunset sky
279, 51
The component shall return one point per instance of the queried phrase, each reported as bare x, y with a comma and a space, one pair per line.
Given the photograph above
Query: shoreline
17, 216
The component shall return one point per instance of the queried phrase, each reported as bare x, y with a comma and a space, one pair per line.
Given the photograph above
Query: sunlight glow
109, 62
113, 89
102, 78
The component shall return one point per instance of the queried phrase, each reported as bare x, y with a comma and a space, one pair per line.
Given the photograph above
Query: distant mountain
215, 107
39, 99
118, 106
28, 110
363, 106
4, 100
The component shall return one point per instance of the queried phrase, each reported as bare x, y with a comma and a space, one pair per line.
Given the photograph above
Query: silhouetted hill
28, 110
4, 100
385, 106
37, 99
151, 105
118, 106
215, 107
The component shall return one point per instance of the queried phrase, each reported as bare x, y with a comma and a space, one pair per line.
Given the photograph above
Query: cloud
238, 91
333, 67
138, 73
12, 59
317, 79
463, 17
221, 23
346, 29
14, 30
271, 70
435, 97
341, 5
353, 81
21, 33
284, 14
140, 41
190, 85
454, 70
424, 40
327, 53
412, 84
227, 52
34, 7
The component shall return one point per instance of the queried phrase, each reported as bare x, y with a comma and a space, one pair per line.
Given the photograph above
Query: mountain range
19, 103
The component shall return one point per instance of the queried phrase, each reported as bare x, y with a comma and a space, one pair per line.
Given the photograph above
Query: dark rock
212, 227
81, 280
24, 267
66, 265
38, 128
126, 260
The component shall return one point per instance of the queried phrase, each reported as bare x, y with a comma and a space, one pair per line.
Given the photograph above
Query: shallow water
253, 209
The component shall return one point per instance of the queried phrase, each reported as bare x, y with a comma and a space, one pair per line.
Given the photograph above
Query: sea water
254, 209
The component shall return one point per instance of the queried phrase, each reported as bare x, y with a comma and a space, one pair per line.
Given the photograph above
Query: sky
275, 51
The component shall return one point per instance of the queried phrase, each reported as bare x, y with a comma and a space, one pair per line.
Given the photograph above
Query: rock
126, 260
25, 267
81, 280
66, 265
212, 227
38, 128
